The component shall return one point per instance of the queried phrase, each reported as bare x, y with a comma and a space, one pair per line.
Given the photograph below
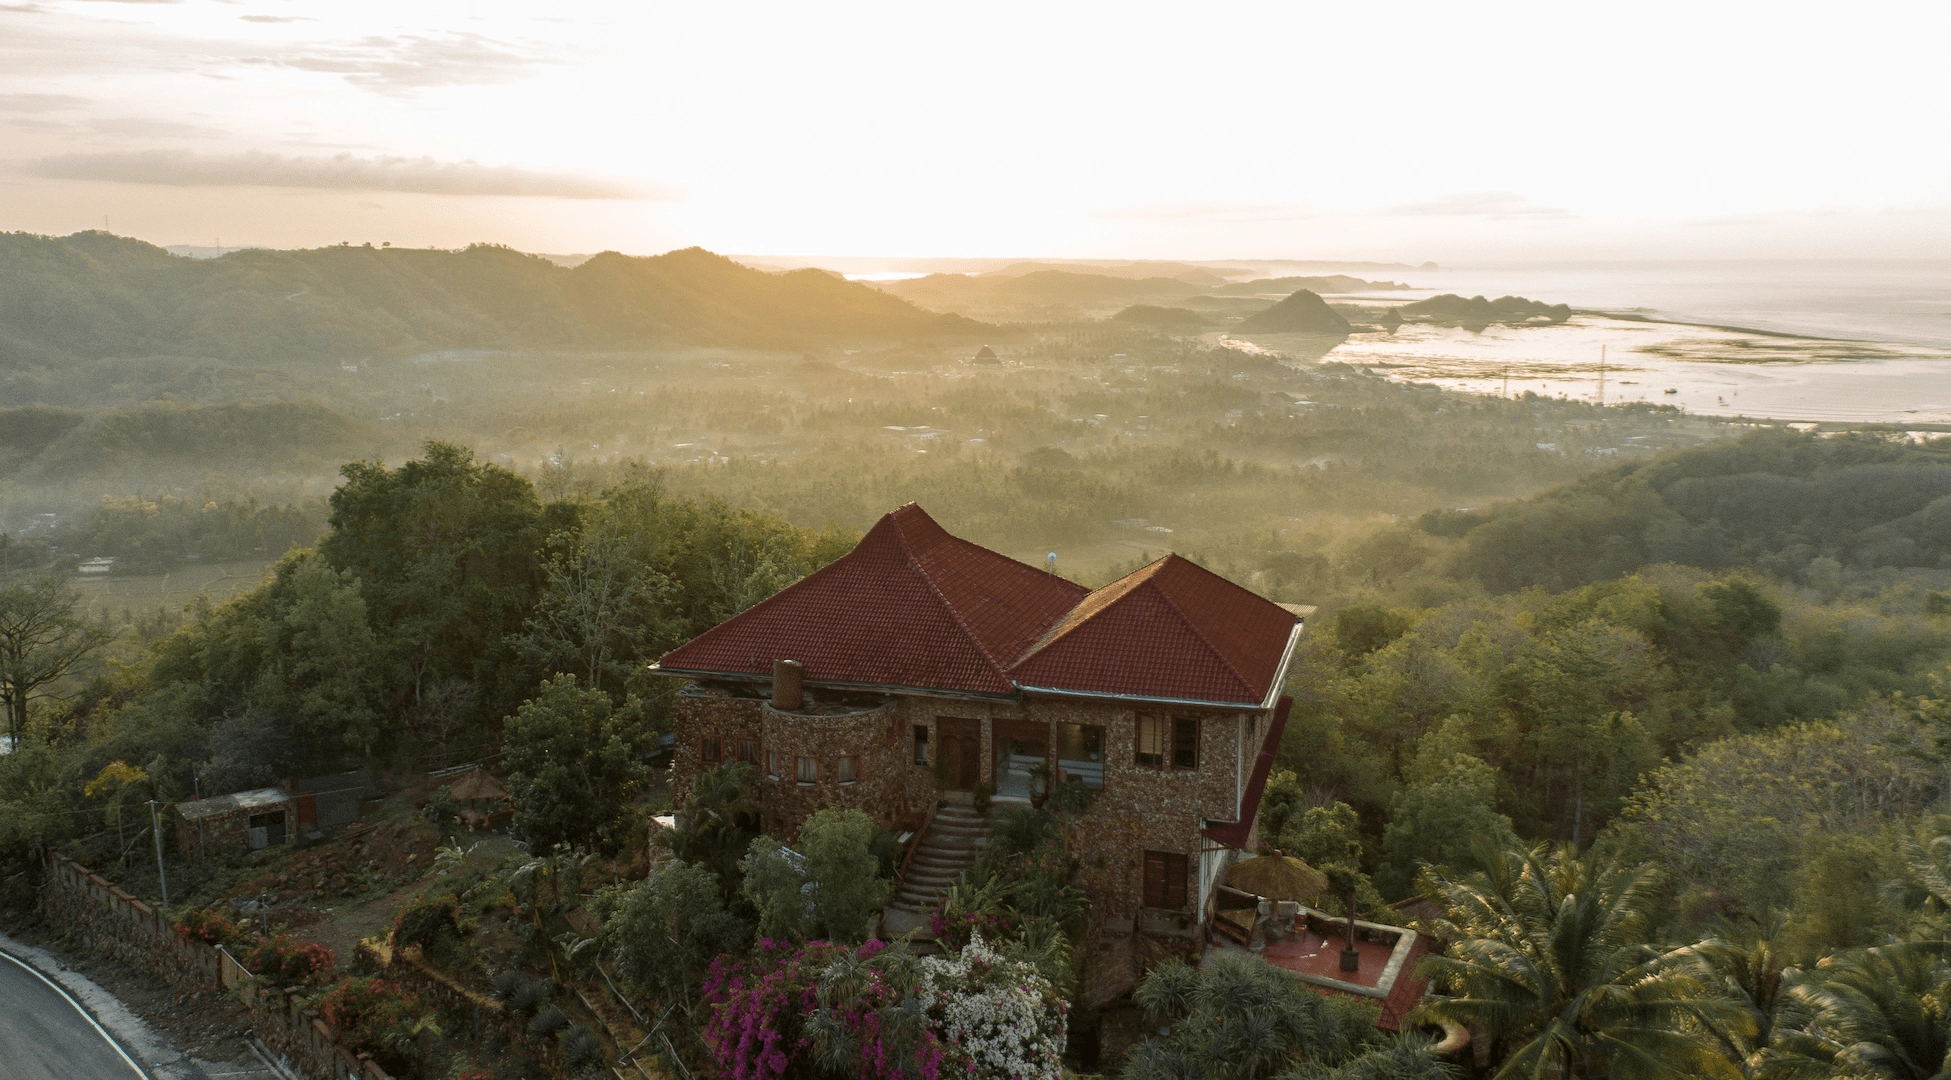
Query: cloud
39, 103
423, 176
1490, 204
141, 127
276, 18
1206, 210
405, 64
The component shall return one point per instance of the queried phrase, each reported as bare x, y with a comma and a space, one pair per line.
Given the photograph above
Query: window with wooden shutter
1151, 740
774, 763
1165, 880
849, 768
711, 750
1185, 743
748, 751
806, 770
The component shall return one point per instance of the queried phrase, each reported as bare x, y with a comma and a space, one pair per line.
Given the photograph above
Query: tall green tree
575, 767
447, 551
829, 888
664, 931
1440, 823
42, 637
1551, 956
719, 820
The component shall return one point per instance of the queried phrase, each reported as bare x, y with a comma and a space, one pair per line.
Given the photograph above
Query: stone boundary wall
412, 971
125, 929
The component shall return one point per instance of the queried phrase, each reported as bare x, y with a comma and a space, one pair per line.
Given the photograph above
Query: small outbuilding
234, 824
986, 355
484, 802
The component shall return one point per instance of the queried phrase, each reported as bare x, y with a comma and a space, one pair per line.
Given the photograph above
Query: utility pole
156, 830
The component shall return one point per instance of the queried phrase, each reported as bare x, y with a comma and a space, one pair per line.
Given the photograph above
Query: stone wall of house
1140, 808
702, 711
227, 833
1143, 808
888, 786
881, 785
129, 931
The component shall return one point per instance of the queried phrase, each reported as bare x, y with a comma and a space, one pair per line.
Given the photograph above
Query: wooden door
961, 752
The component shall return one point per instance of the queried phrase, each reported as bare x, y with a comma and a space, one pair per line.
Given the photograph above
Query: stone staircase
949, 847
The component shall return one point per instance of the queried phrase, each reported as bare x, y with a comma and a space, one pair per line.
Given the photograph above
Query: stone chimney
788, 693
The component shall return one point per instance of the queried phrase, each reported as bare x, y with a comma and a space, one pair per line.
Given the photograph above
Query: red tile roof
913, 606
909, 606
1171, 630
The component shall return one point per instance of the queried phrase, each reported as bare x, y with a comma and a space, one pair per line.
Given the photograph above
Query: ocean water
1904, 302
1812, 341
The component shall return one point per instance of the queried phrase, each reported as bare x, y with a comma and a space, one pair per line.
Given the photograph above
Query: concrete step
958, 829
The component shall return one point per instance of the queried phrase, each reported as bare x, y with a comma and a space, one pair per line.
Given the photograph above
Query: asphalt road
45, 1036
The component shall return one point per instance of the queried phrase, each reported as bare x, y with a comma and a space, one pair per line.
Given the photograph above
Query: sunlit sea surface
1862, 342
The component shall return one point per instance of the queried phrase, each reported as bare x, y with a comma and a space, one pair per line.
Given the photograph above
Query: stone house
234, 824
921, 661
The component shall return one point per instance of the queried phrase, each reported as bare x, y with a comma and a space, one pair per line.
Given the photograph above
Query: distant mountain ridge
93, 295
1301, 313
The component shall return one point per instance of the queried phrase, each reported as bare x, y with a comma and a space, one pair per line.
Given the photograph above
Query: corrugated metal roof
242, 800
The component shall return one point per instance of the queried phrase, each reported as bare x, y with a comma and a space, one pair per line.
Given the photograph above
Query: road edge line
85, 1014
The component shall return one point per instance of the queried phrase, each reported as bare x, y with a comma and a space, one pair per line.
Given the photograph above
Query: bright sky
1299, 130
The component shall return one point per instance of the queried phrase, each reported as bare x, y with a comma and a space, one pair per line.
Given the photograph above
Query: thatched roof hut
1277, 877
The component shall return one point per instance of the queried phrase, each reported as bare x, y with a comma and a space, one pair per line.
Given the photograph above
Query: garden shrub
877, 1012
996, 1016
548, 1021
207, 926
521, 995
580, 1046
431, 922
760, 1005
286, 962
377, 1017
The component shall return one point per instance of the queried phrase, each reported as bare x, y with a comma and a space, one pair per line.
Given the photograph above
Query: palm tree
1870, 1013
1551, 959
721, 816
1743, 962
1232, 1018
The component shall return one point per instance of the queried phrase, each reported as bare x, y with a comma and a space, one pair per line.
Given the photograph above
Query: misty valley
1609, 732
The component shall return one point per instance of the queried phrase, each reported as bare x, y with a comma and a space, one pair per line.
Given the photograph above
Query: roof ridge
944, 539
1059, 631
1225, 661
954, 613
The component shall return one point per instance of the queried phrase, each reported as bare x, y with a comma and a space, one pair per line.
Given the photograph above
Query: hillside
93, 295
1285, 286
1302, 313
1171, 320
1798, 506
1476, 313
1039, 295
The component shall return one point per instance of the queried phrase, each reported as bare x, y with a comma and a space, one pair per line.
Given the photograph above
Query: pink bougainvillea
762, 1007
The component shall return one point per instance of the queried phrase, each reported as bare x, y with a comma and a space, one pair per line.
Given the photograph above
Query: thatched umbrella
1277, 877
477, 784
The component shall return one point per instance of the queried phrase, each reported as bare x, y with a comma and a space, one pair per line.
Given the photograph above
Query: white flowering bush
998, 1018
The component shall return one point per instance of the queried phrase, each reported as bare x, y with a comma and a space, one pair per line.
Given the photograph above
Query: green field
111, 594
